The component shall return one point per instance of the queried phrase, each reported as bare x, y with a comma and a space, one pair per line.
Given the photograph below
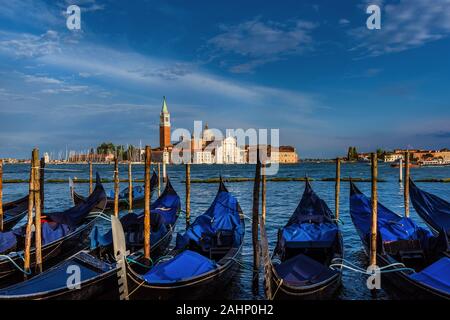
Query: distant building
287, 154
393, 157
228, 152
203, 157
46, 157
164, 127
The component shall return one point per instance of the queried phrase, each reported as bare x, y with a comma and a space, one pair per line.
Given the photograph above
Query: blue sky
310, 68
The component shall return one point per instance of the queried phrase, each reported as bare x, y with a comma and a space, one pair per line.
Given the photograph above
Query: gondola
138, 195
433, 210
418, 261
97, 265
307, 245
63, 234
203, 261
13, 212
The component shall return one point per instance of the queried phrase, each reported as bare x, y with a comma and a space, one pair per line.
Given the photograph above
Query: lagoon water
282, 199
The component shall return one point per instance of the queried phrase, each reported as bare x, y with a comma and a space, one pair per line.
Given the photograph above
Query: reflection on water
282, 198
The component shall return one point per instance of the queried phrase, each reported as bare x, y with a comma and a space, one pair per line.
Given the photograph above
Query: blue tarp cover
310, 224
53, 279
163, 212
186, 265
310, 234
434, 210
303, 270
133, 228
436, 275
74, 216
167, 207
391, 226
138, 191
311, 209
8, 241
223, 214
53, 231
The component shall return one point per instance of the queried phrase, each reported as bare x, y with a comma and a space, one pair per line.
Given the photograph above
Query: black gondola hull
51, 254
323, 291
211, 286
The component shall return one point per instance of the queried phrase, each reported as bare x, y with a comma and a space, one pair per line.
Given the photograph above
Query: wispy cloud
27, 45
405, 25
260, 42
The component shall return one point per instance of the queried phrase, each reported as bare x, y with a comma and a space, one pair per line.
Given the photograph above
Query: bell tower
164, 126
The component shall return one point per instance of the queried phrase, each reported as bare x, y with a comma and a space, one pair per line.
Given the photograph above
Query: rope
135, 289
140, 264
15, 264
355, 268
276, 291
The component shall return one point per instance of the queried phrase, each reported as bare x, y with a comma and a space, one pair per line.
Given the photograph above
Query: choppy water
282, 199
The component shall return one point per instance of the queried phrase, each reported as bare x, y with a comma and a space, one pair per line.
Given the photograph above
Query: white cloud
40, 79
404, 25
262, 42
343, 21
26, 45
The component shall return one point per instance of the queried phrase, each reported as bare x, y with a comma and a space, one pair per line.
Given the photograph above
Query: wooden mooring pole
148, 160
91, 188
159, 179
37, 210
164, 172
374, 202
400, 172
42, 179
1, 195
263, 192
116, 186
337, 188
27, 255
255, 218
406, 188
130, 187
188, 195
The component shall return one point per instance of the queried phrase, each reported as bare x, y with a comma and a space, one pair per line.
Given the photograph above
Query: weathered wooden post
263, 192
337, 187
37, 210
374, 202
148, 159
188, 195
400, 172
130, 187
116, 186
27, 257
159, 179
42, 183
91, 188
255, 218
164, 172
1, 195
406, 188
